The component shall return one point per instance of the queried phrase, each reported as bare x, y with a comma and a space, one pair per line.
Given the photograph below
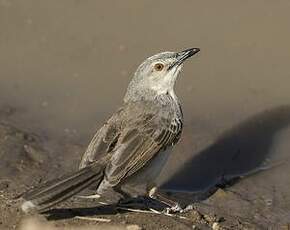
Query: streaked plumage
134, 135
131, 148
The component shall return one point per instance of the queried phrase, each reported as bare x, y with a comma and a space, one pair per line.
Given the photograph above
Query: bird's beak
183, 55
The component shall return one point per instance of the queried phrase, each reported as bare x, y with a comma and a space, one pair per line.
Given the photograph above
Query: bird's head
157, 74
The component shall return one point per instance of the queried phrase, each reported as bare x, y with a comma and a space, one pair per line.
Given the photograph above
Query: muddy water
65, 66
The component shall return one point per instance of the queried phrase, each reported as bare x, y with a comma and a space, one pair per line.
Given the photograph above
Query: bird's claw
174, 209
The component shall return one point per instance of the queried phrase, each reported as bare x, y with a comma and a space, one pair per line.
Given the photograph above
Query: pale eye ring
158, 66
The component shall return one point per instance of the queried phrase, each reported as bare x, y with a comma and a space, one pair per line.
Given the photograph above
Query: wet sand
65, 67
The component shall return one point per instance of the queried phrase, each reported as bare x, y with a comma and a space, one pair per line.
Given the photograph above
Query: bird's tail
53, 192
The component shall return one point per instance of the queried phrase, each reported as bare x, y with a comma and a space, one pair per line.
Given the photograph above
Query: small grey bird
128, 152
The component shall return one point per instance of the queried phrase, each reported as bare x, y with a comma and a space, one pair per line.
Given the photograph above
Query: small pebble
133, 227
216, 226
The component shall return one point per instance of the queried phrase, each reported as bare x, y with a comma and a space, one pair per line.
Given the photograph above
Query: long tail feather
58, 190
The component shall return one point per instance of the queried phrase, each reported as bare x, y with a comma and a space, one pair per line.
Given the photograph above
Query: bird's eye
158, 66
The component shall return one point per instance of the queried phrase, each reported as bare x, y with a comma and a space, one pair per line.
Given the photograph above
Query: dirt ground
29, 159
26, 162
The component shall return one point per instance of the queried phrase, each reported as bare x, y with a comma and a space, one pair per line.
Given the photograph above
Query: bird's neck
166, 98
147, 94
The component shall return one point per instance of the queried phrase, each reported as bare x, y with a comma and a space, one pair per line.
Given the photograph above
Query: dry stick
93, 218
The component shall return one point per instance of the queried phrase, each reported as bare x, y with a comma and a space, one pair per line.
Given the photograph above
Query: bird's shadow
239, 151
69, 213
140, 203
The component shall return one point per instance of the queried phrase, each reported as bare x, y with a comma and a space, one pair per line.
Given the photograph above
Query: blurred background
65, 66
68, 63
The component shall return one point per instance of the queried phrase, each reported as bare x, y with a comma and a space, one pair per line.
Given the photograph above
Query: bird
128, 152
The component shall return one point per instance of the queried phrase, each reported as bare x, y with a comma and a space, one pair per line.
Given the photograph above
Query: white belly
149, 174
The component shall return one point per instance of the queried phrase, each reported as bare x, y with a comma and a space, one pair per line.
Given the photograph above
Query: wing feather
133, 136
138, 147
103, 142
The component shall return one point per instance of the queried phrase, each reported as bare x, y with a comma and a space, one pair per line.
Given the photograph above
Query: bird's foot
144, 206
174, 209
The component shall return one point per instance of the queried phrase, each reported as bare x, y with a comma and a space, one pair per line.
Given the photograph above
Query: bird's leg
173, 205
133, 204
130, 204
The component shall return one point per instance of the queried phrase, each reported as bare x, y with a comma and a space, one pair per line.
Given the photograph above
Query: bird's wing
103, 141
141, 140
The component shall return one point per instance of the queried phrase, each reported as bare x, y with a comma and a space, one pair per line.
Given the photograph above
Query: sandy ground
28, 160
27, 163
